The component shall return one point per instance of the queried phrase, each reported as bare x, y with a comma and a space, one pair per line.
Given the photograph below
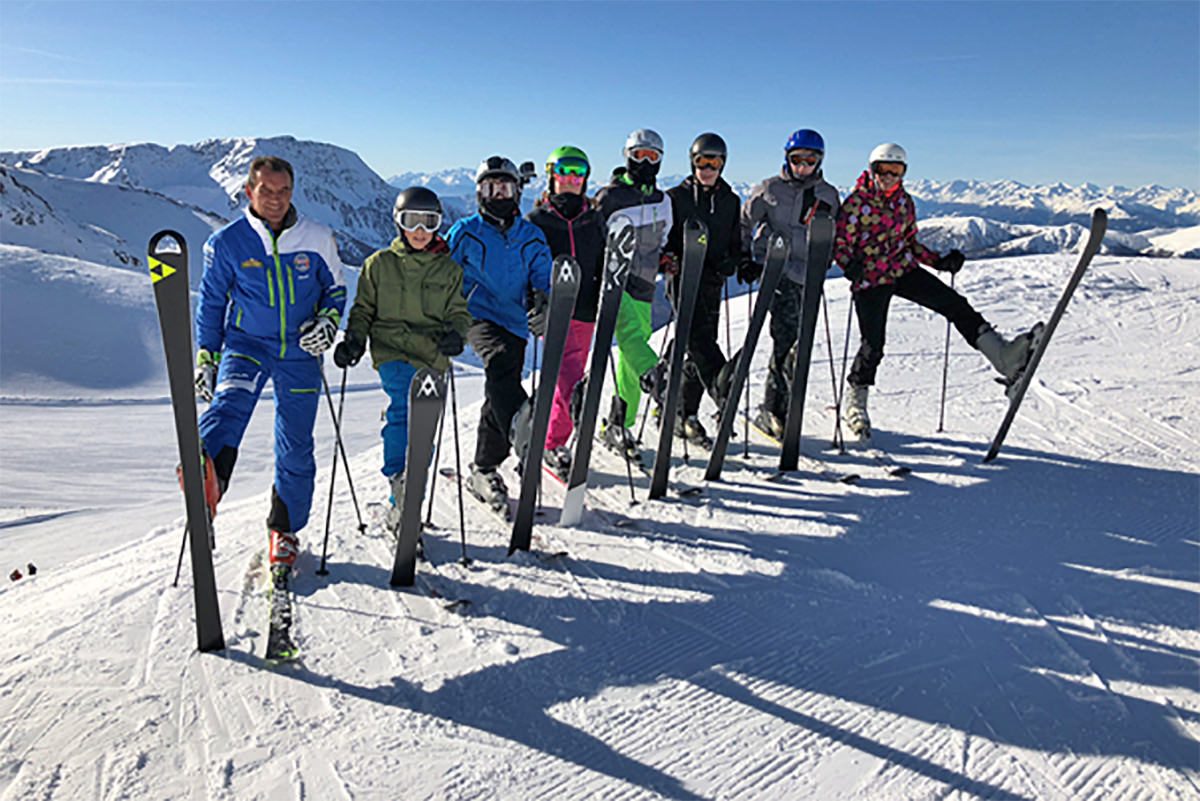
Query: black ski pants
503, 355
786, 308
922, 288
704, 356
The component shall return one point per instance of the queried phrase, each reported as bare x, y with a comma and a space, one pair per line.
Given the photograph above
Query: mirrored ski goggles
645, 154
429, 221
573, 179
497, 189
571, 167
708, 162
891, 171
801, 160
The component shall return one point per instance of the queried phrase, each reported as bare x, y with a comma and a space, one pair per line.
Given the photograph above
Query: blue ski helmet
805, 138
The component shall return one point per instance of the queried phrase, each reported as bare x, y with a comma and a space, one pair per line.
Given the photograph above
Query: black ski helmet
417, 198
708, 144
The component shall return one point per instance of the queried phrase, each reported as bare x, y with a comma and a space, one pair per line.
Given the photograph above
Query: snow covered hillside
1023, 630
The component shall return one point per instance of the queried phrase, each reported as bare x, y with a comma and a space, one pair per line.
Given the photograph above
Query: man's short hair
272, 163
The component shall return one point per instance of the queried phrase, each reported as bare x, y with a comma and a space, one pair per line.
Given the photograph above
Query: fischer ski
562, 305
426, 397
777, 254
618, 259
167, 257
1017, 393
820, 253
695, 245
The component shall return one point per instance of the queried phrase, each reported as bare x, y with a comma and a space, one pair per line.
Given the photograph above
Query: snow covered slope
1025, 630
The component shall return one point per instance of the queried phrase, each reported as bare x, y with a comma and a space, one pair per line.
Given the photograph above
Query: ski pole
462, 517
746, 383
179, 563
838, 439
945, 371
321, 571
662, 352
845, 358
337, 432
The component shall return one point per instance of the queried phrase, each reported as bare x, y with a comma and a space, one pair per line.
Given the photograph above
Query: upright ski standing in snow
618, 259
426, 397
168, 262
820, 253
695, 245
563, 291
1017, 390
777, 255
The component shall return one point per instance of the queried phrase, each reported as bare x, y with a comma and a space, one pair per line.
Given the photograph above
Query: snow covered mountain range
101, 203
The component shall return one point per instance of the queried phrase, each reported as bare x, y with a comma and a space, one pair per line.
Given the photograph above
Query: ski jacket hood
265, 285
879, 229
406, 300
500, 269
785, 205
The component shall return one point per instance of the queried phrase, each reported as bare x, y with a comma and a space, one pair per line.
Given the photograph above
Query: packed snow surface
1027, 629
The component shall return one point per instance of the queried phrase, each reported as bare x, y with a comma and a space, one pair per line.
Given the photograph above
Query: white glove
317, 334
206, 374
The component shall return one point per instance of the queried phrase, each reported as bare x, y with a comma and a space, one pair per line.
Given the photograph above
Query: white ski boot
394, 511
692, 430
854, 412
1008, 356
489, 487
619, 440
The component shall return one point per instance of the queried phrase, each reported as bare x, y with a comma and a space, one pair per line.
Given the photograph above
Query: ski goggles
645, 154
708, 162
571, 167
429, 221
896, 172
497, 189
573, 179
802, 160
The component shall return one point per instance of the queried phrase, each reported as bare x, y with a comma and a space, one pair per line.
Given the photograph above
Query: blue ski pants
246, 365
396, 377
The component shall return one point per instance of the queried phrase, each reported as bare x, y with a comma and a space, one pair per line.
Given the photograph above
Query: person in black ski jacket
705, 196
573, 227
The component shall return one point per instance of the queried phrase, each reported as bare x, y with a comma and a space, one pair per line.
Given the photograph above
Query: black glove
951, 263
539, 303
451, 343
348, 352
749, 271
728, 266
854, 270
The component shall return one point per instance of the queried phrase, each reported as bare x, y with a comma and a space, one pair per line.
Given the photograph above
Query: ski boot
619, 440
1009, 357
854, 412
214, 488
282, 554
558, 460
488, 486
691, 429
769, 423
397, 504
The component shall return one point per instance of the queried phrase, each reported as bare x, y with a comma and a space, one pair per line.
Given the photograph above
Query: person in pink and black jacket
876, 246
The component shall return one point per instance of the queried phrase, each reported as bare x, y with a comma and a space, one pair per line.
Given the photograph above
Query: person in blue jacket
506, 278
271, 297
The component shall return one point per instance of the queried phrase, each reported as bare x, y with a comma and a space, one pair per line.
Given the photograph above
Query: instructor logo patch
301, 262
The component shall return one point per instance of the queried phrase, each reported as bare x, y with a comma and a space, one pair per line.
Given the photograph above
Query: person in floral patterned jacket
876, 246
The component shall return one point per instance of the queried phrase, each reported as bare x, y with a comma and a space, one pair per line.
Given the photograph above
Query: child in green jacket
411, 307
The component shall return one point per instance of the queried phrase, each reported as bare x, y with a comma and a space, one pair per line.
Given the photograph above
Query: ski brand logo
248, 263
301, 262
428, 388
159, 270
565, 273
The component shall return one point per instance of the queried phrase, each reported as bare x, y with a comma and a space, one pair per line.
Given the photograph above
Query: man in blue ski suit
506, 278
271, 297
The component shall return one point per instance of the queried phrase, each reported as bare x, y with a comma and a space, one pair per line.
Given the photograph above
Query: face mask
567, 204
642, 172
503, 209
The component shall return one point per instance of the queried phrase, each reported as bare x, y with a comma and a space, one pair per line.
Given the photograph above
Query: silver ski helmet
417, 208
889, 152
497, 167
642, 139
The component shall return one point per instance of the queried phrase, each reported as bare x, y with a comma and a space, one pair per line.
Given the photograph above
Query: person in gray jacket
785, 203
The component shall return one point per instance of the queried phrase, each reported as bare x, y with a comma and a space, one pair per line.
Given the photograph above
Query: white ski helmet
642, 138
888, 151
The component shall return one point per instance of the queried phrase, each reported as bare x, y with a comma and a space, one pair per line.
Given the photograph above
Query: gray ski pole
321, 571
838, 439
337, 432
945, 372
462, 516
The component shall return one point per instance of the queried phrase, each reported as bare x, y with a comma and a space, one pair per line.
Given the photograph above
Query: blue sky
1035, 92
